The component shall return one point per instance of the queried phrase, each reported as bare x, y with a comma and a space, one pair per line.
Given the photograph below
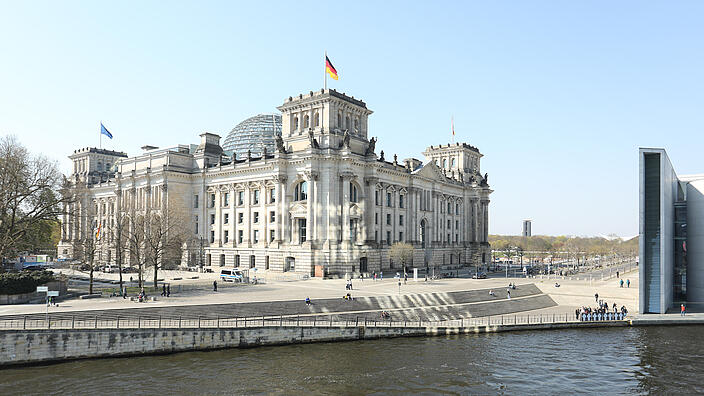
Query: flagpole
101, 135
325, 74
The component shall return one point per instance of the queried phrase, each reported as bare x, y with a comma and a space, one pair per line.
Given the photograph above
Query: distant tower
526, 228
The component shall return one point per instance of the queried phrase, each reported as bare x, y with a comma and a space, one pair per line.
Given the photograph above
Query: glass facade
651, 261
680, 247
253, 134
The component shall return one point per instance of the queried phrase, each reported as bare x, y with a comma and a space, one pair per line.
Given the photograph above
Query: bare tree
30, 193
401, 252
165, 237
136, 239
120, 239
86, 246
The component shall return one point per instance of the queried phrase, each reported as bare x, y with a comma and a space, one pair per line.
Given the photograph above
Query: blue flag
104, 131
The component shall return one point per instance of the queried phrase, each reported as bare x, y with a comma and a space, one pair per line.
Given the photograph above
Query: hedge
23, 282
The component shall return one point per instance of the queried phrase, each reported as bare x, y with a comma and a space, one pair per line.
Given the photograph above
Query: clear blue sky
557, 95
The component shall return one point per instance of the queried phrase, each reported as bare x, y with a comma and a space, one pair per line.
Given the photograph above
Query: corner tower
325, 116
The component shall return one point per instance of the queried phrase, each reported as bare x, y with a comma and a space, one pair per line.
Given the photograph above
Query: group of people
348, 286
628, 283
166, 290
601, 312
347, 297
379, 276
385, 315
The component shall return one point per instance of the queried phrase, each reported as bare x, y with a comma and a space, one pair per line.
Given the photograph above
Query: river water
646, 360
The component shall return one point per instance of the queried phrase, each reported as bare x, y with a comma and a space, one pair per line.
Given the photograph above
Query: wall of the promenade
21, 347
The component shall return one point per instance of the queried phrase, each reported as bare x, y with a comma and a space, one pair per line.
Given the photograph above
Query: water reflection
603, 361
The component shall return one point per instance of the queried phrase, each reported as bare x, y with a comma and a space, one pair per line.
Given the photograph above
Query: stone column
382, 214
345, 228
218, 218
368, 225
247, 221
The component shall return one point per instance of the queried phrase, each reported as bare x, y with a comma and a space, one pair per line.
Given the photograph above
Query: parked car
231, 275
481, 275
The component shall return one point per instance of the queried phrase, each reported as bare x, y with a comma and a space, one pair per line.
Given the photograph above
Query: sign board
42, 289
415, 274
53, 293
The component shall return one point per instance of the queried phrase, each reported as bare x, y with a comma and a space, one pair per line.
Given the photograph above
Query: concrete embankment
22, 347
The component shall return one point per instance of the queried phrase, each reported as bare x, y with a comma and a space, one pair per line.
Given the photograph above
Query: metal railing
96, 322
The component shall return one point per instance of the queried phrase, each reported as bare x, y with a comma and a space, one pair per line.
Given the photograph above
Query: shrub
23, 282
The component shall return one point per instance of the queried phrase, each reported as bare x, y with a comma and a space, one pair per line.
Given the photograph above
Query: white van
231, 275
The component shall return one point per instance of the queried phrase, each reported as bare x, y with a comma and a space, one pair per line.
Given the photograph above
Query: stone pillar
345, 204
218, 218
382, 214
247, 221
368, 225
263, 215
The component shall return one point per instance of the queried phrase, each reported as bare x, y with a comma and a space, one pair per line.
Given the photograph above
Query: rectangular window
457, 237
256, 236
388, 219
376, 236
212, 219
240, 198
226, 219
376, 218
388, 237
449, 224
272, 235
400, 220
212, 200
449, 208
457, 208
448, 238
240, 236
255, 197
272, 216
457, 224
400, 201
301, 230
227, 236
212, 236
195, 201
388, 199
240, 218
376, 197
225, 199
400, 236
272, 195
256, 217
196, 224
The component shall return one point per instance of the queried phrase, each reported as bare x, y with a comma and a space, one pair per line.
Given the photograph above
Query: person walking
168, 290
163, 290
621, 282
682, 309
381, 275
215, 286
628, 283
508, 293
616, 274
596, 297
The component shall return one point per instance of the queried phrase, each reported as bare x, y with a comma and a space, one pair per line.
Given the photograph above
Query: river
645, 360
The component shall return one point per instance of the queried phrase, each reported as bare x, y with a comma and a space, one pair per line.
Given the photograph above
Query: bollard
314, 321
330, 319
139, 322
24, 324
262, 320
159, 321
117, 326
502, 320
281, 320
48, 322
179, 322
199, 322
218, 321
96, 321
298, 320
356, 321
73, 321
515, 319
461, 322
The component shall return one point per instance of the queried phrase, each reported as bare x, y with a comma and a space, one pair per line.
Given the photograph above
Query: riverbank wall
44, 346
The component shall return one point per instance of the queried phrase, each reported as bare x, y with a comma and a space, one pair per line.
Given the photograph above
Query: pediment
355, 211
430, 171
298, 209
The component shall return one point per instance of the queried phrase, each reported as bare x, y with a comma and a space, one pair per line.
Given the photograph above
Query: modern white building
671, 233
323, 203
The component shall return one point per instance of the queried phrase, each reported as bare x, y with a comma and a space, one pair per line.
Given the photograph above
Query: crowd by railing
84, 321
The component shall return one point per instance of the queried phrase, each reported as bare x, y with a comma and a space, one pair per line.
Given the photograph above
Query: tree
86, 246
120, 237
401, 252
30, 193
136, 240
166, 233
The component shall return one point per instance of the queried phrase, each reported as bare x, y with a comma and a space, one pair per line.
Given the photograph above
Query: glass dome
253, 134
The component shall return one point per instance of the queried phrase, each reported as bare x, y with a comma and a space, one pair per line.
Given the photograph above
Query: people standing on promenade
617, 274
628, 283
163, 290
215, 286
168, 290
682, 309
621, 283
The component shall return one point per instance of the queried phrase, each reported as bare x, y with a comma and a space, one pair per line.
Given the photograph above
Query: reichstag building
311, 196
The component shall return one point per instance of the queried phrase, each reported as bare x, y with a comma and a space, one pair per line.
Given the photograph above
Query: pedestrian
163, 290
596, 297
616, 274
576, 314
361, 276
130, 279
405, 278
508, 293
124, 292
682, 309
215, 286
168, 290
628, 283
621, 282
381, 275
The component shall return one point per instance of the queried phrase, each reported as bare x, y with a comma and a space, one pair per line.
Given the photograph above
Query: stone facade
323, 203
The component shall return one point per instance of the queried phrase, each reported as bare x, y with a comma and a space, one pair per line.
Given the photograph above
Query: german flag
330, 69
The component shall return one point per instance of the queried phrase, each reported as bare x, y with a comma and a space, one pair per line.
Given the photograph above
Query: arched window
452, 162
422, 233
300, 193
100, 167
444, 162
353, 192
356, 124
295, 123
316, 120
306, 121
347, 122
339, 120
